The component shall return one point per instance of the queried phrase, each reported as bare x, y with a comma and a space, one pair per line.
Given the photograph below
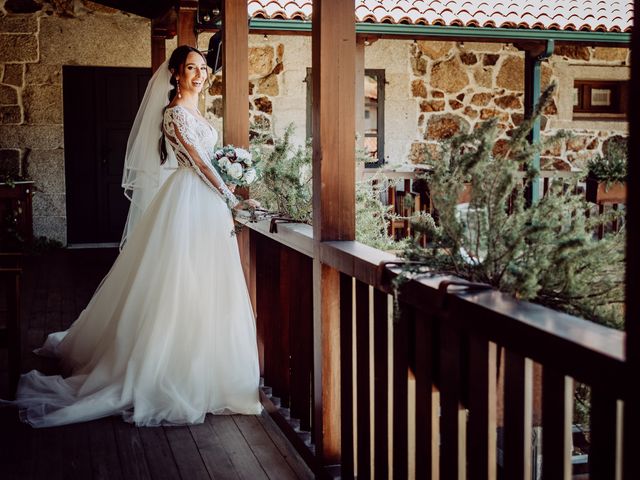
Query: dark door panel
100, 104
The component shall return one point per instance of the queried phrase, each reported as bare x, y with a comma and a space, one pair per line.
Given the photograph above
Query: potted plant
607, 177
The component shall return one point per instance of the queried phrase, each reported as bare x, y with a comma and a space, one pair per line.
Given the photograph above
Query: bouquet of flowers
235, 165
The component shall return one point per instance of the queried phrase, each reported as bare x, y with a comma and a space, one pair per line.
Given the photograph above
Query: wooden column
235, 73
632, 399
235, 97
333, 55
158, 51
187, 10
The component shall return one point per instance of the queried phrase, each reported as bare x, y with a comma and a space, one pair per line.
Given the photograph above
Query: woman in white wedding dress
169, 334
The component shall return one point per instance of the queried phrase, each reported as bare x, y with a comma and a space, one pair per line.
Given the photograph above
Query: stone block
49, 205
435, 49
18, 48
38, 73
13, 74
46, 169
216, 108
10, 115
8, 95
261, 123
18, 24
43, 104
263, 104
483, 77
10, 162
443, 126
260, 61
610, 54
490, 59
449, 76
54, 228
418, 89
487, 113
471, 113
574, 52
481, 98
511, 102
468, 58
419, 66
22, 6
99, 39
46, 137
455, 104
268, 86
432, 106
551, 108
216, 86
418, 153
483, 46
511, 74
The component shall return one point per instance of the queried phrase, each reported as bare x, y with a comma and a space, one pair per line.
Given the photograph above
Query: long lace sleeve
181, 132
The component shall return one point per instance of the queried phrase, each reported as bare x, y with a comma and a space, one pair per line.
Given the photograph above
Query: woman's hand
232, 187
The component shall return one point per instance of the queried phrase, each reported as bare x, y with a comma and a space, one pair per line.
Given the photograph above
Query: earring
178, 88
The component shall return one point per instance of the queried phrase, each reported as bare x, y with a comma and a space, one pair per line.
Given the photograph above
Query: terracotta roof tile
602, 15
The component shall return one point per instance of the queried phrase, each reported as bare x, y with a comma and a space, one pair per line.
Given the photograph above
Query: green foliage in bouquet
612, 166
546, 252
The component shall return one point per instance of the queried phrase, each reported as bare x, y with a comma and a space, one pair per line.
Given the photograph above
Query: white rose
224, 163
250, 175
243, 154
235, 170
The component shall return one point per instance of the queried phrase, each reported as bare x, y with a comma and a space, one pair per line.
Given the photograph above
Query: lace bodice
182, 129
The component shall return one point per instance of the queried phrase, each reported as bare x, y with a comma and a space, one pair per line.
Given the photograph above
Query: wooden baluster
346, 374
280, 355
557, 408
481, 442
268, 306
600, 225
602, 451
453, 417
424, 398
363, 371
301, 339
380, 384
517, 417
400, 390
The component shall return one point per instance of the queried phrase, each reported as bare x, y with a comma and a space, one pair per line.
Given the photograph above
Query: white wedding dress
169, 334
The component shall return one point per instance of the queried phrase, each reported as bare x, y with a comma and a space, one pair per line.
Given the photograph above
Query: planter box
600, 192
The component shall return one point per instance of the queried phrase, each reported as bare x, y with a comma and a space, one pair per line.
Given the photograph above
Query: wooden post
235, 73
235, 94
333, 55
631, 422
187, 10
158, 51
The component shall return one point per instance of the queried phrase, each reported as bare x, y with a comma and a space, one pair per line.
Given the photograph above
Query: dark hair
176, 62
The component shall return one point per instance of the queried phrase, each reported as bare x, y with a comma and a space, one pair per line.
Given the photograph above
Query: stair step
295, 424
268, 391
305, 437
285, 412
275, 401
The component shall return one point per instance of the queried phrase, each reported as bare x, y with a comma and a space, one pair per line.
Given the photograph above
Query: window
597, 98
373, 125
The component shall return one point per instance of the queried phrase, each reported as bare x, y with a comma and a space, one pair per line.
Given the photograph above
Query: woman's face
194, 73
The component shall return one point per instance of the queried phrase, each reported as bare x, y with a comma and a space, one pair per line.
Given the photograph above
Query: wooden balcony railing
420, 393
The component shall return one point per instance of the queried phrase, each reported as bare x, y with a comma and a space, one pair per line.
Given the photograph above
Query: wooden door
100, 104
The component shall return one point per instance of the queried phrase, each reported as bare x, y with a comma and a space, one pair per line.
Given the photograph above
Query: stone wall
435, 89
36, 40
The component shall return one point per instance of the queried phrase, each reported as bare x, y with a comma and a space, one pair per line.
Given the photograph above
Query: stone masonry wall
36, 40
435, 89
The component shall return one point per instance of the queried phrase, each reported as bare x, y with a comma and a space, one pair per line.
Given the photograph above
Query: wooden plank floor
56, 287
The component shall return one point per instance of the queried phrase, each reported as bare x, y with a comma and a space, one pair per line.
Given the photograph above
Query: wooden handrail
580, 344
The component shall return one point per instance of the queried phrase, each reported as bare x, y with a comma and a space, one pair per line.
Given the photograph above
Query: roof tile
603, 15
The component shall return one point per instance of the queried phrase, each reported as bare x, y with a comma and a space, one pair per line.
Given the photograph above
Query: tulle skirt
169, 334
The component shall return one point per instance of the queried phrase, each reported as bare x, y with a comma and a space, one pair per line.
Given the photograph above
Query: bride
169, 334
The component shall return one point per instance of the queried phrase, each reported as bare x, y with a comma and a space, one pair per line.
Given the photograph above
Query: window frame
584, 109
379, 74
